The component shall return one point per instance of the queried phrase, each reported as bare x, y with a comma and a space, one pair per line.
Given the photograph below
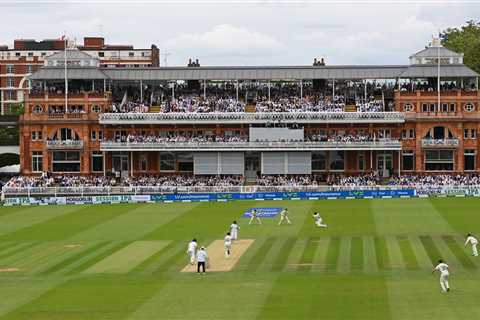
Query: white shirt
192, 246
202, 256
317, 217
443, 268
228, 240
284, 213
471, 240
234, 227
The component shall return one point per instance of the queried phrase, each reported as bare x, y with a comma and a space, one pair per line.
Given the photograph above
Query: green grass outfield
124, 261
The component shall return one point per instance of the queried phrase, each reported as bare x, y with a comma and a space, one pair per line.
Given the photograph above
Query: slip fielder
284, 217
255, 217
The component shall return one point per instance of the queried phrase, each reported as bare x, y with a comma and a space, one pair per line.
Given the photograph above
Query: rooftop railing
256, 117
381, 144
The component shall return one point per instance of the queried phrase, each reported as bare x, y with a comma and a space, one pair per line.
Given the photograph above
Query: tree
466, 40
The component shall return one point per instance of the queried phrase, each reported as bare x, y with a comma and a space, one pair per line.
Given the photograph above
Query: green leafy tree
465, 39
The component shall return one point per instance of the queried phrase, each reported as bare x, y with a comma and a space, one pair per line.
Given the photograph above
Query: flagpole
438, 75
65, 67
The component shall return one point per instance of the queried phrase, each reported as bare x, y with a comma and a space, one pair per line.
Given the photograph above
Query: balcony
440, 143
384, 144
257, 117
64, 144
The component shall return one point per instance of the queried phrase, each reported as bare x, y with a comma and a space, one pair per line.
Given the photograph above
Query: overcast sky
245, 32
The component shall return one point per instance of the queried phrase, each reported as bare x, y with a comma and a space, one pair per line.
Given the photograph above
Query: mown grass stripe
51, 256
259, 255
332, 254
395, 256
282, 257
458, 252
344, 255
370, 255
408, 256
421, 255
151, 260
96, 258
356, 254
26, 253
432, 251
5, 245
176, 260
295, 254
70, 260
267, 263
308, 254
381, 251
19, 247
319, 260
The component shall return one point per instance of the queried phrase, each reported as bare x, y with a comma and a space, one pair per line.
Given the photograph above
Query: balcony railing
383, 144
440, 143
257, 117
64, 144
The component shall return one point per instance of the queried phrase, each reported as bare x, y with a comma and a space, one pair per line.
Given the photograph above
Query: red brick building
27, 56
424, 126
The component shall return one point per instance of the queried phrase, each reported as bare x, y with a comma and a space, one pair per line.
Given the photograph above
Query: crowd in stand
138, 138
366, 180
308, 104
359, 137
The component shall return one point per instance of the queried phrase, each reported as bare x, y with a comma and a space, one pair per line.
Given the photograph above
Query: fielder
473, 241
443, 268
254, 217
284, 217
318, 220
228, 245
234, 227
202, 259
191, 250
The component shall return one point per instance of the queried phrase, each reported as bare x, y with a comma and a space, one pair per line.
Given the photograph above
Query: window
465, 133
468, 107
439, 160
185, 161
37, 135
100, 135
412, 133
17, 54
469, 159
96, 109
424, 107
408, 107
131, 54
97, 161
473, 133
10, 82
9, 95
408, 160
10, 68
361, 161
37, 161
319, 161
337, 160
30, 54
66, 161
404, 134
37, 109
93, 135
444, 107
167, 161
453, 107
29, 68
101, 54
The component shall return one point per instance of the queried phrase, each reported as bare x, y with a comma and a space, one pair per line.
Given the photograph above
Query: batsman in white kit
444, 270
318, 220
473, 241
284, 217
228, 245
191, 250
254, 217
234, 227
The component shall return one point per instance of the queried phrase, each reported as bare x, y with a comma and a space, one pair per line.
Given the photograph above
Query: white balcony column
333, 88
173, 90
301, 89
141, 91
371, 159
476, 83
365, 90
236, 87
399, 160
204, 89
461, 83
104, 85
93, 85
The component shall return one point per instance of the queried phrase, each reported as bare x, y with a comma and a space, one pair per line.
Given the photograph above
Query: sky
245, 32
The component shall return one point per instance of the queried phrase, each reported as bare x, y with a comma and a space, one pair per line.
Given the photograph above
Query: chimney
314, 61
196, 63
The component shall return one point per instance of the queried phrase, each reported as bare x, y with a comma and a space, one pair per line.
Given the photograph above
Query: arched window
64, 134
439, 133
